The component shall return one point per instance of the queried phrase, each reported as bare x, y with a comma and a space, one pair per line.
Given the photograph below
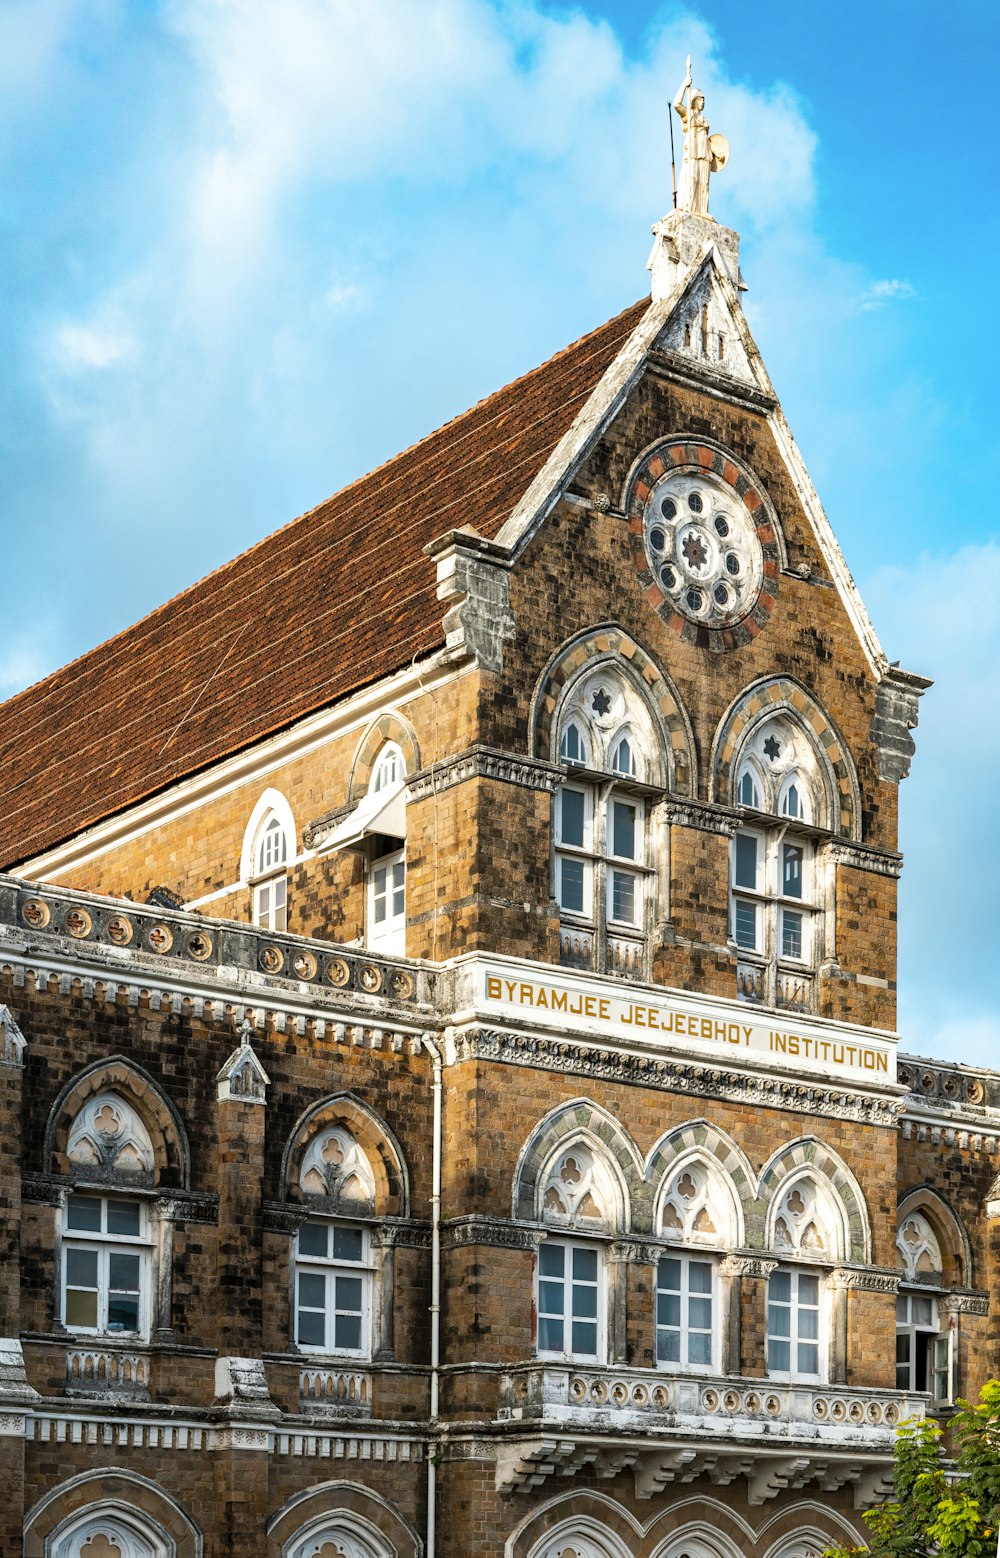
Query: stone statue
703, 153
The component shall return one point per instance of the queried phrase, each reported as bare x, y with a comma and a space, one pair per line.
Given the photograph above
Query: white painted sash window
333, 1289
794, 1323
570, 1300
685, 1312
105, 1261
387, 902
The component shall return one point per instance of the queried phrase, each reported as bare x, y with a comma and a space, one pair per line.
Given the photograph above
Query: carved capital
965, 1304
746, 1266
12, 1041
865, 1279
491, 1231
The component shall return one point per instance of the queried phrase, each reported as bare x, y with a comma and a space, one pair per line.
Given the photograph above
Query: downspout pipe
435, 1306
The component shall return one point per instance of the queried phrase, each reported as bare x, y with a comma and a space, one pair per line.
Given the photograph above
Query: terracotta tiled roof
332, 602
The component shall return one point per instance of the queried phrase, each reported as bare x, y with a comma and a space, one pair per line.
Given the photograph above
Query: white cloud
878, 293
88, 346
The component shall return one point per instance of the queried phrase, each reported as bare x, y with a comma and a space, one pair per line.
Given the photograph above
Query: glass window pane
623, 831
745, 924
808, 1358
669, 1275
791, 933
585, 1302
808, 1289
923, 1311
81, 1268
348, 1243
550, 1334
312, 1239
668, 1309
668, 1346
745, 866
902, 1309
311, 1329
312, 1290
585, 1338
123, 1273
700, 1348
809, 1324
552, 1260
780, 1287
700, 1314
550, 1298
779, 1320
700, 1276
347, 1332
81, 1308
792, 870
124, 1217
570, 746
584, 1265
84, 1212
778, 1356
572, 807
623, 897
571, 885
123, 1313
349, 1294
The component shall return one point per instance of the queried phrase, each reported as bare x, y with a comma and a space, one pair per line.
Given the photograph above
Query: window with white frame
923, 1349
387, 902
775, 888
685, 1311
569, 1301
603, 876
270, 878
694, 1210
794, 1316
333, 1288
106, 1252
110, 1533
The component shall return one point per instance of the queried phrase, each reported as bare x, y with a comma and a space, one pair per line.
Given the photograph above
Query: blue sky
251, 250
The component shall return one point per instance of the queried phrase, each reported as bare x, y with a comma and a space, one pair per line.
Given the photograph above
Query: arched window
332, 1255
389, 770
924, 1347
267, 851
577, 1191
386, 855
339, 1536
603, 860
776, 896
693, 1211
106, 1240
804, 1230
111, 1534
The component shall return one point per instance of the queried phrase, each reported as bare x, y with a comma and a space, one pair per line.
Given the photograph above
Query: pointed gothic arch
390, 726
763, 701
811, 1159
612, 648
340, 1509
948, 1229
700, 1140
161, 1127
580, 1121
345, 1121
111, 1499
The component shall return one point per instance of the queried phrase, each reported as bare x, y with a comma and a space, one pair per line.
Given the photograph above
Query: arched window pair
775, 889
932, 1256
604, 860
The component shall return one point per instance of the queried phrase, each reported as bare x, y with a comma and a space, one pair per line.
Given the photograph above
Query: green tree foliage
939, 1506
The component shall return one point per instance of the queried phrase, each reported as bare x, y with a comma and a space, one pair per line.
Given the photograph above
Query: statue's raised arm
703, 153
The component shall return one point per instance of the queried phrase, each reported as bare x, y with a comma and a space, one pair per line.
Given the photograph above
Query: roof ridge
341, 492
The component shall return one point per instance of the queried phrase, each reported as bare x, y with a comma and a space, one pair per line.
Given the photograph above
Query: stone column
745, 1335
16, 1395
245, 1411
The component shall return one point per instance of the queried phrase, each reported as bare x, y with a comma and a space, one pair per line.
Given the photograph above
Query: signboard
678, 1022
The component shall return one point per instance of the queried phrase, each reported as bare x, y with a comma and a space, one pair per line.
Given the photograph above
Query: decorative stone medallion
703, 544
271, 959
35, 912
199, 945
338, 972
78, 923
159, 938
304, 965
120, 930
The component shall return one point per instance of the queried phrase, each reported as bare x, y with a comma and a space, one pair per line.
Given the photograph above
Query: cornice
483, 762
539, 1052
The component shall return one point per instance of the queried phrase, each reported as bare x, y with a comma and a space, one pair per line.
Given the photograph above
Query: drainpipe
435, 1307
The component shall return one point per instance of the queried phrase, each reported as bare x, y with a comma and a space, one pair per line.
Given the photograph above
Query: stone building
448, 1057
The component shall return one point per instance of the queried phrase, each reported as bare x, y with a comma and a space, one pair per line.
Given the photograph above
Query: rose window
702, 548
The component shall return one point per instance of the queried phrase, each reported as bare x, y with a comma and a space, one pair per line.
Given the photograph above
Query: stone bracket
896, 700
473, 575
